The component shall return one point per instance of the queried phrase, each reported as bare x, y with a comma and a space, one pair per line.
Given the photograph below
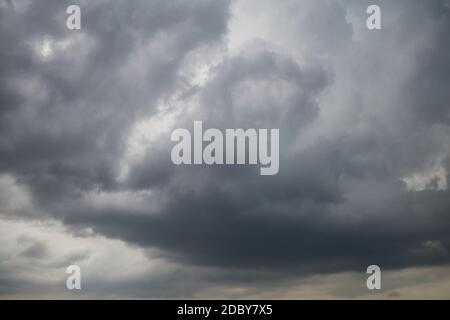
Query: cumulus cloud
85, 125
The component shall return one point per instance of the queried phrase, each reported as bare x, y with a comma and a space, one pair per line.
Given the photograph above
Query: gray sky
85, 170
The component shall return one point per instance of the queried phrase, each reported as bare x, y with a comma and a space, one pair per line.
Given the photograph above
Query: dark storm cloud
429, 87
338, 202
69, 139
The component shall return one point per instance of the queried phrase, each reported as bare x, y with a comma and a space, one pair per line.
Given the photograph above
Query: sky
86, 176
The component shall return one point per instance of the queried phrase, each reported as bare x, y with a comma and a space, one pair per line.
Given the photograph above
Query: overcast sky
86, 176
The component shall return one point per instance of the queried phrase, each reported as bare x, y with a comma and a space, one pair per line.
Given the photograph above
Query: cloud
64, 118
86, 117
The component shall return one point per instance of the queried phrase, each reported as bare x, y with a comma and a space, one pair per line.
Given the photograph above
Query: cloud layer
86, 117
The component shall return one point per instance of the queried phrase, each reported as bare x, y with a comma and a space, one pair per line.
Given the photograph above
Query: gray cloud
363, 116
